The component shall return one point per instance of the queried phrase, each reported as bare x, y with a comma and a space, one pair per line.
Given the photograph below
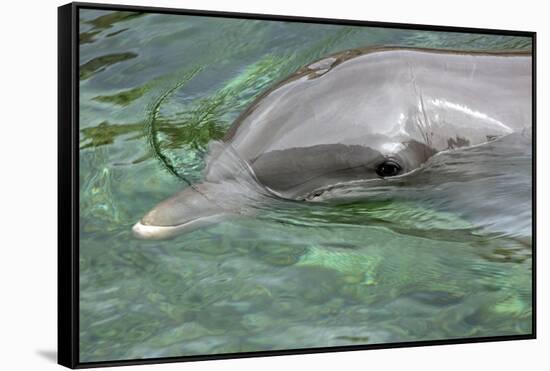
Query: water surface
443, 254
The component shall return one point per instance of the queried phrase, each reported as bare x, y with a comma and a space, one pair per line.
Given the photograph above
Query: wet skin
356, 115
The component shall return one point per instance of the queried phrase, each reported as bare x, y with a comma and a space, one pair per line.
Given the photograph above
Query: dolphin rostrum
364, 114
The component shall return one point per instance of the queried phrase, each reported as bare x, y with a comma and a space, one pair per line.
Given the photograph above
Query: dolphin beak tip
148, 232
138, 230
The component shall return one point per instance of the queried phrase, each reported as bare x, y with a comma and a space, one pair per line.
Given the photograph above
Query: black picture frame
68, 183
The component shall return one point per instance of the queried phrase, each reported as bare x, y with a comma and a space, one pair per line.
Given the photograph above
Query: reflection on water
444, 253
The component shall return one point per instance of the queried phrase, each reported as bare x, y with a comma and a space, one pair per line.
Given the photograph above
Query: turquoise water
444, 254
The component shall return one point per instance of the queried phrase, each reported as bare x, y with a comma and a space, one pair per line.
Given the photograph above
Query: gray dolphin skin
358, 115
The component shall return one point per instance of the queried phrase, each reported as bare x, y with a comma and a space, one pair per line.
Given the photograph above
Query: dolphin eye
388, 168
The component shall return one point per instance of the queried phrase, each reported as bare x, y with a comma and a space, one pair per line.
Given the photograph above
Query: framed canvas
238, 185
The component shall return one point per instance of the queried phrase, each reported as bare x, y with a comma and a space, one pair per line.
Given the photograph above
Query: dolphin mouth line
162, 232
314, 195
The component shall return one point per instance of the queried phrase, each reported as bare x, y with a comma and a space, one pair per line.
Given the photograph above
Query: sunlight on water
445, 253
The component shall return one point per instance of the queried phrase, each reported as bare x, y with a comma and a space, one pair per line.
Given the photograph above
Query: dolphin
357, 115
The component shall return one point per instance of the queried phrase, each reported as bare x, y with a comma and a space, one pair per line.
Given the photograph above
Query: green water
447, 255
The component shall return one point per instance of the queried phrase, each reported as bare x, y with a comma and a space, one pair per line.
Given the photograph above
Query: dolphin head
356, 116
